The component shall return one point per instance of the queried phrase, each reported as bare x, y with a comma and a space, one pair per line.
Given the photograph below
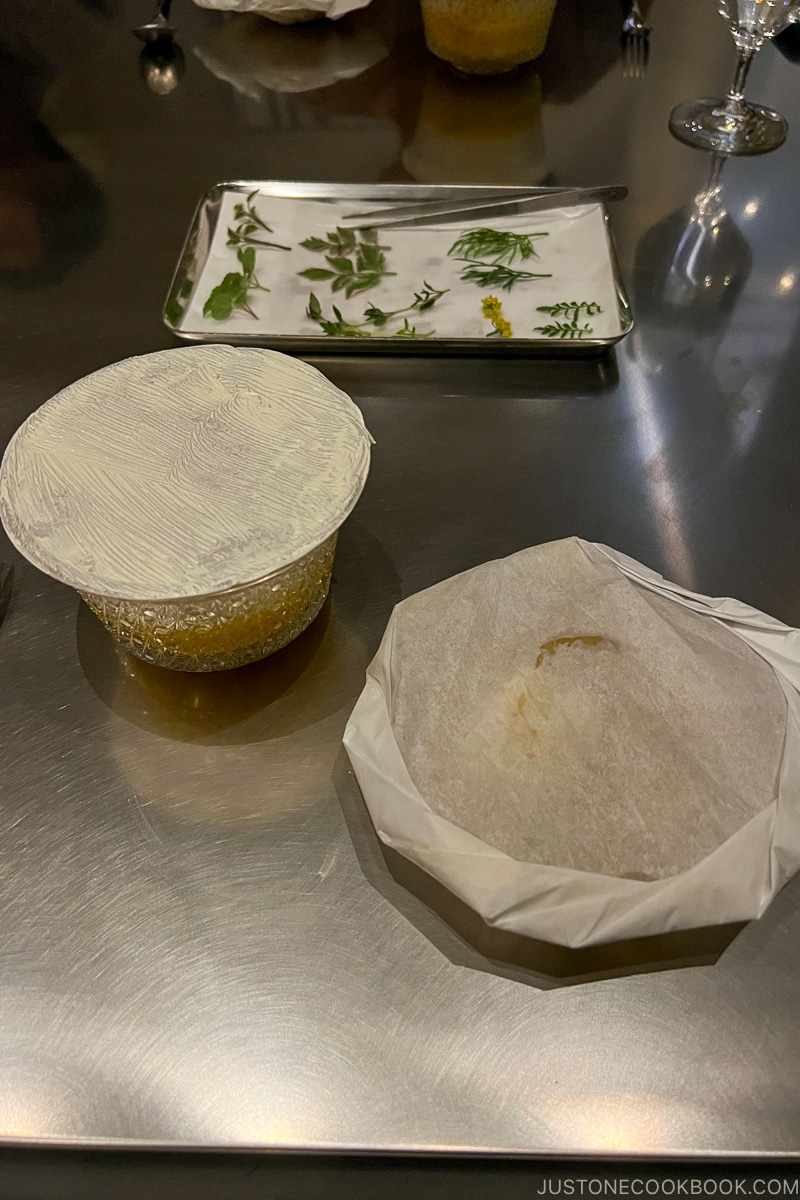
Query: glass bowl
487, 37
227, 629
192, 497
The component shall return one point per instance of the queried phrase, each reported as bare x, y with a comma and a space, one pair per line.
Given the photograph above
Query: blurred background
83, 137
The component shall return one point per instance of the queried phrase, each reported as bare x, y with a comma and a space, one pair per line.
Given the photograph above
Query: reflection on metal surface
693, 267
627, 1123
664, 493
214, 709
158, 26
635, 43
161, 62
787, 281
697, 258
478, 130
258, 57
6, 589
162, 65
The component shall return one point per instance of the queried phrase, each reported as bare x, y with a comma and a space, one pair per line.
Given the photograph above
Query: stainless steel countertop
200, 943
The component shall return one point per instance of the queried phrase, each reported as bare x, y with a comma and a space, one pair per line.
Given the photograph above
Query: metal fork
635, 43
6, 586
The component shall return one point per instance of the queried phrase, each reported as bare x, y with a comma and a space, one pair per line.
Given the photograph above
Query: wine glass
733, 126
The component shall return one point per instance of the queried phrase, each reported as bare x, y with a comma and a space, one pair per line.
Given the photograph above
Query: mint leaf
247, 258
219, 305
226, 296
316, 273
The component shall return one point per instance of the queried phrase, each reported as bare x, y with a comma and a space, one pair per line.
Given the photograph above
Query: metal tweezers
432, 212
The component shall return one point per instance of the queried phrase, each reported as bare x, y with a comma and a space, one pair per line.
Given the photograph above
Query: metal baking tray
197, 247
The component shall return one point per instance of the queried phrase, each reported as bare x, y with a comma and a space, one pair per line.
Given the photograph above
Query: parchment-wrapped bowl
582, 752
287, 12
192, 497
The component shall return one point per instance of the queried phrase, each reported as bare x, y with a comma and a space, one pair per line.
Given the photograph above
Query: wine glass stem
735, 98
715, 170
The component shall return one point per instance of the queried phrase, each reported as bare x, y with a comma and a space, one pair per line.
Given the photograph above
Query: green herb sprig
423, 300
495, 245
233, 292
496, 276
374, 317
249, 223
570, 328
410, 331
356, 262
488, 254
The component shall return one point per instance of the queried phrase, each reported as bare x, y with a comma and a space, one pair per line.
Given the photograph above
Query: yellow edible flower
492, 309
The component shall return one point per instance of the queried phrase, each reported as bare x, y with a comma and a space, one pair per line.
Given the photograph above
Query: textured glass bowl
487, 37
227, 629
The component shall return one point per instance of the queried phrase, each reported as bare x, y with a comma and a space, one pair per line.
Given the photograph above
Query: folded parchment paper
582, 751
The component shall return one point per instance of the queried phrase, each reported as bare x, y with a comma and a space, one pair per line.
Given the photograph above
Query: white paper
734, 882
287, 12
574, 254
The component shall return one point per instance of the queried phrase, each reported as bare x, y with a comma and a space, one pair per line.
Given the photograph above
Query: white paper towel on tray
575, 254
734, 881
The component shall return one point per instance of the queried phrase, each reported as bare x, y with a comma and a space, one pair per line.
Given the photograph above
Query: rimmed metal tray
189, 276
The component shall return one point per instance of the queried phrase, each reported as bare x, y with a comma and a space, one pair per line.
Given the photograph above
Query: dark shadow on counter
514, 378
467, 941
